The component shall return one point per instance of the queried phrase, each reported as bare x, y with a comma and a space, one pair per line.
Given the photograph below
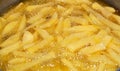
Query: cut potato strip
79, 20
115, 48
16, 60
101, 67
42, 13
25, 66
68, 64
22, 24
110, 9
96, 48
114, 56
43, 33
10, 49
10, 27
75, 37
40, 45
116, 33
59, 26
82, 28
98, 57
14, 16
101, 9
35, 24
75, 1
107, 22
27, 37
8, 42
20, 54
79, 44
51, 22
95, 21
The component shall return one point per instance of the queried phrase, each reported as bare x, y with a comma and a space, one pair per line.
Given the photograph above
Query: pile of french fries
60, 35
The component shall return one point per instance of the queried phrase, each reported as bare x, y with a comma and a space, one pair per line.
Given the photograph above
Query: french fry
13, 17
22, 24
59, 26
17, 60
10, 27
43, 33
43, 58
51, 22
8, 42
101, 67
40, 45
107, 22
101, 9
41, 13
10, 49
27, 37
79, 44
97, 57
82, 28
114, 56
74, 37
79, 20
96, 48
68, 64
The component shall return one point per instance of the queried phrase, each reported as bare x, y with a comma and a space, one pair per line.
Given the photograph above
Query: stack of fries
60, 35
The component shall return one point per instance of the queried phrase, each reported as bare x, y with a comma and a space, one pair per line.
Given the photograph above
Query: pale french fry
114, 47
42, 13
20, 54
68, 64
117, 33
10, 49
17, 60
101, 9
82, 28
43, 33
101, 67
97, 57
75, 37
116, 18
59, 26
25, 66
19, 8
51, 22
110, 9
22, 24
79, 20
98, 47
27, 37
66, 24
2, 23
75, 1
114, 56
10, 27
14, 17
8, 42
40, 45
79, 44
107, 22
92, 49
95, 21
